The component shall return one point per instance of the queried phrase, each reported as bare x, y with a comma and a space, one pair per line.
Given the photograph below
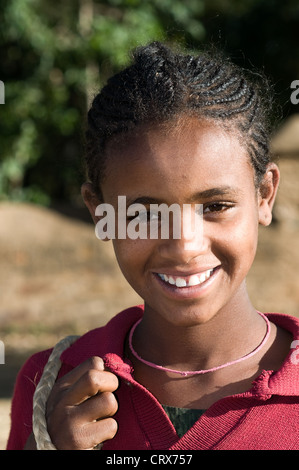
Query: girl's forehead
182, 143
195, 155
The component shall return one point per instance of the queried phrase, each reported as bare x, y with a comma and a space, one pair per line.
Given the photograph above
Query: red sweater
266, 417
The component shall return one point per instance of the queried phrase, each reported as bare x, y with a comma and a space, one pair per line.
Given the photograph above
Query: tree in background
56, 55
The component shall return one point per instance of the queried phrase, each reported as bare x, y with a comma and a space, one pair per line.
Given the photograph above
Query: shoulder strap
42, 392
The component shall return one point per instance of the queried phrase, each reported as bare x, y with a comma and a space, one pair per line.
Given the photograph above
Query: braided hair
161, 84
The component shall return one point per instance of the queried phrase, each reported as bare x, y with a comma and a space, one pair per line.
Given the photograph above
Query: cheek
236, 244
131, 256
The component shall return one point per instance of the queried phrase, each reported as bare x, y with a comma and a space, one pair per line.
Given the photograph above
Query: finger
98, 432
94, 362
89, 385
61, 387
103, 405
87, 436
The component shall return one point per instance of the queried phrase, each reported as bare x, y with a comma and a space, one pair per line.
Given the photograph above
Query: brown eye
217, 207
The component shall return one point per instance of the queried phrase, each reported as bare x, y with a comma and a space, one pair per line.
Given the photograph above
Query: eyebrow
216, 192
201, 195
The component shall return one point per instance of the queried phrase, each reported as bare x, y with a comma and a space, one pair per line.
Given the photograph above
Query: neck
230, 334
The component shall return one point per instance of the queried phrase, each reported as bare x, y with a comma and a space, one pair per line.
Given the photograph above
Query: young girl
195, 367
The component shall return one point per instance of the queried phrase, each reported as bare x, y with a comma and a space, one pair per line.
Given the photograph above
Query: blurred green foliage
56, 55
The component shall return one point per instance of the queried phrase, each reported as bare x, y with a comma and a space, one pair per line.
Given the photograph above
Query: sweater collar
284, 381
108, 342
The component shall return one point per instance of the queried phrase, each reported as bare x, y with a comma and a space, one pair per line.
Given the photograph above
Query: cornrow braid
161, 84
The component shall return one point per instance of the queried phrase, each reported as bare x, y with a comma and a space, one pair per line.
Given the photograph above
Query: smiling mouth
187, 281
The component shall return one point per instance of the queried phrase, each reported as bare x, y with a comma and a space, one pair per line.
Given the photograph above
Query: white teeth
193, 280
180, 282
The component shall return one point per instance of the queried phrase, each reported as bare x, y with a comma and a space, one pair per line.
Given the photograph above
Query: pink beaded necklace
204, 371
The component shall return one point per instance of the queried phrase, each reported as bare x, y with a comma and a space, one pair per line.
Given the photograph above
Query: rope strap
42, 392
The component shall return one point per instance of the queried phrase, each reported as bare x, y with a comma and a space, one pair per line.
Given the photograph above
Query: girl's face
193, 163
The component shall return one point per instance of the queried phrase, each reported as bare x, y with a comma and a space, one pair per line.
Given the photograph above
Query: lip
186, 292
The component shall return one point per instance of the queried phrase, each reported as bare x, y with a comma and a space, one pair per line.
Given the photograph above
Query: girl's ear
91, 200
267, 193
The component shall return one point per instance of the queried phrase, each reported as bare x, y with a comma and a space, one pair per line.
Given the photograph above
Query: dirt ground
57, 279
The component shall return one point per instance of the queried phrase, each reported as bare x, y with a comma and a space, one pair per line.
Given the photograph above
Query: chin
187, 316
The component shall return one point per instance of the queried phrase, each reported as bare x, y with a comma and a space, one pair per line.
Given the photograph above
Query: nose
187, 238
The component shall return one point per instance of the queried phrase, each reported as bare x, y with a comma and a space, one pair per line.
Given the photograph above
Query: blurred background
56, 278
